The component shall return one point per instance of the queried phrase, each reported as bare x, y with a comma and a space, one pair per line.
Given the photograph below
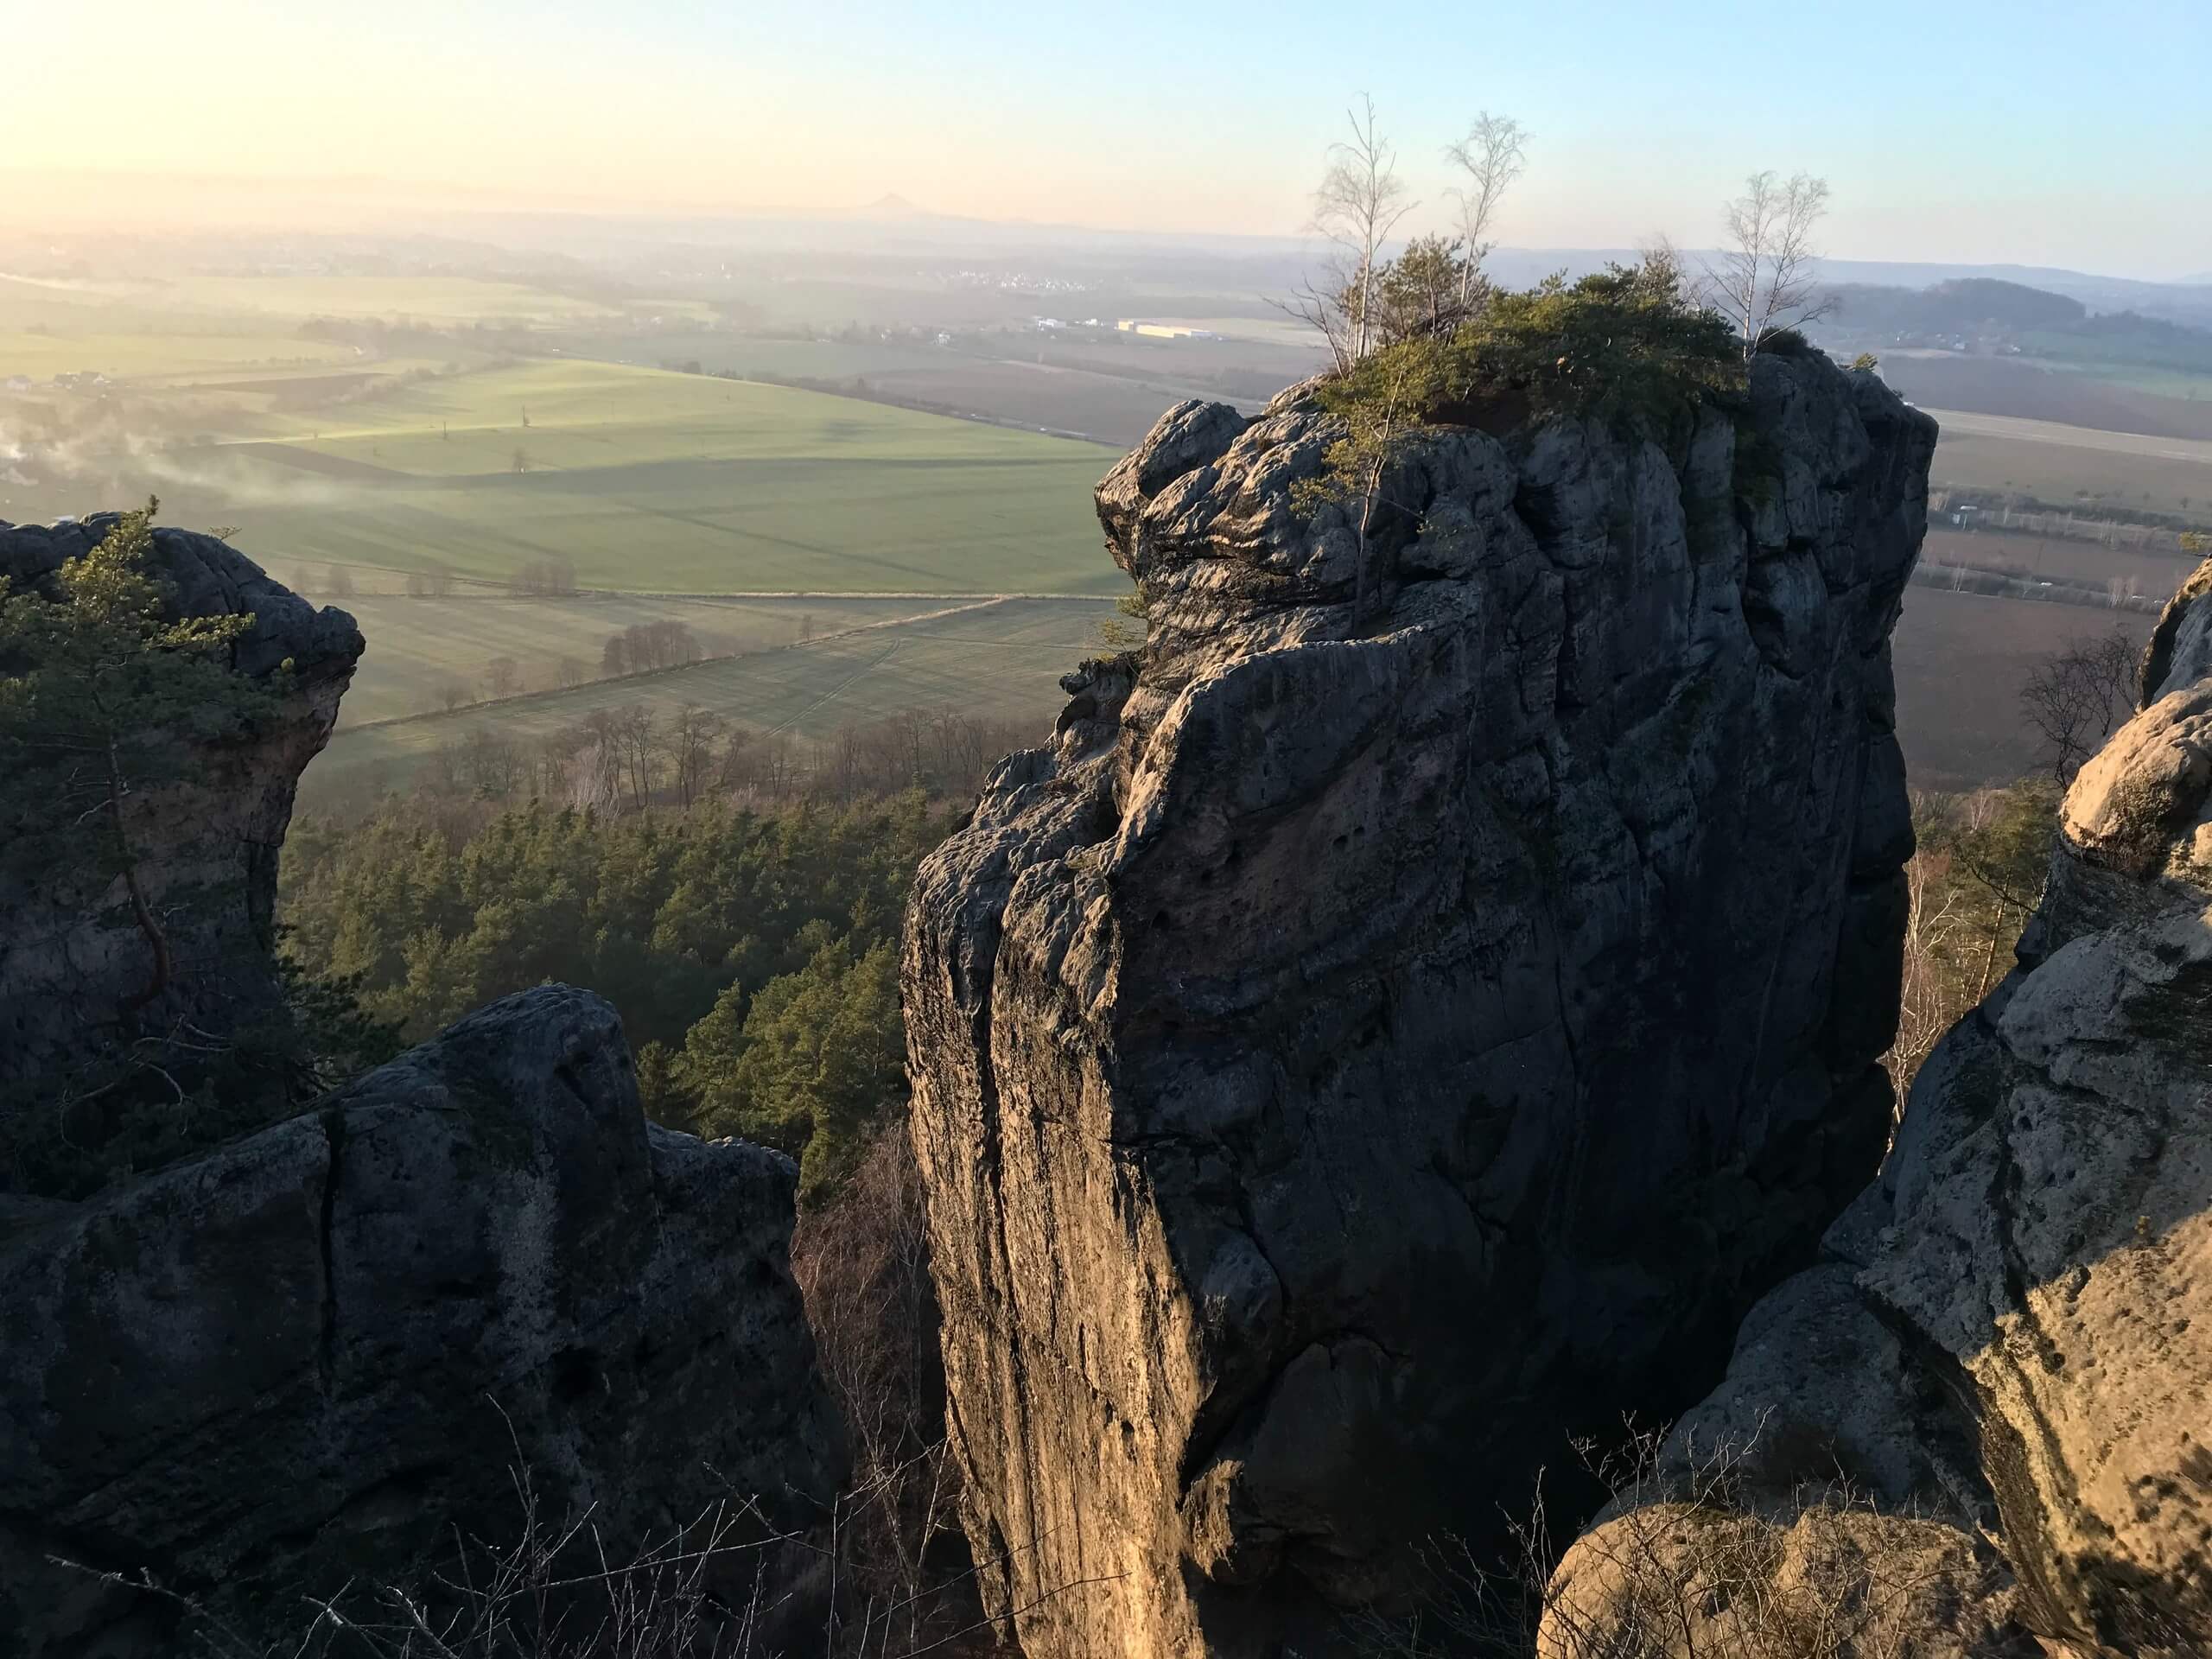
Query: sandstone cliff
305, 1359
2012, 1334
1360, 1050
317, 1355
64, 964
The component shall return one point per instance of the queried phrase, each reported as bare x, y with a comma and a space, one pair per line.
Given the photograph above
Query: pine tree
102, 699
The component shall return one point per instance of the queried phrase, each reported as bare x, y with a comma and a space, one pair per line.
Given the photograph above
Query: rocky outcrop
2013, 1330
1418, 1001
1828, 1581
309, 1357
211, 839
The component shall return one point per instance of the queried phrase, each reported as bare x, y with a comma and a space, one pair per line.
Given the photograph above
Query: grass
643, 480
998, 659
416, 646
125, 354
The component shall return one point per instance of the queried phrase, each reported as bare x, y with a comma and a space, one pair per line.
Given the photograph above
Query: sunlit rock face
1418, 1001
2012, 1332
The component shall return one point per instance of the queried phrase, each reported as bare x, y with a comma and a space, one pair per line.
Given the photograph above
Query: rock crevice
2039, 1240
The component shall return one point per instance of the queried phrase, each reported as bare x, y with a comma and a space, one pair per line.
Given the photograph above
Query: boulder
1418, 1001
211, 860
319, 1354
2031, 1273
1832, 1580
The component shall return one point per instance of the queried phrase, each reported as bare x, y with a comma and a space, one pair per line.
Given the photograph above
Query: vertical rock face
1363, 1048
218, 832
2018, 1314
307, 1358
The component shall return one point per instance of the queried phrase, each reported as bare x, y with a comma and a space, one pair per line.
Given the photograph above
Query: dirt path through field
2074, 437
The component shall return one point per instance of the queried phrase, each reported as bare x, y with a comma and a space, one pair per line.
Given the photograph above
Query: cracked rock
307, 1358
1417, 1003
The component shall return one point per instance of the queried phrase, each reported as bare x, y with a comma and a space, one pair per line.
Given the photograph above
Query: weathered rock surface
63, 968
1365, 1047
2018, 1314
307, 1356
1680, 1580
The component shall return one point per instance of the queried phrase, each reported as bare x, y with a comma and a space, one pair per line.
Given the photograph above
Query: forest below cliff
753, 953
752, 949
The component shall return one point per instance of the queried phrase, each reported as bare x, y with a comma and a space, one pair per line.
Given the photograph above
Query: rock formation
219, 830
317, 1354
1407, 1013
2012, 1330
307, 1358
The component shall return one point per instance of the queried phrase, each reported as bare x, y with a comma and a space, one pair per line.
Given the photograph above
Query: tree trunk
141, 912
1989, 957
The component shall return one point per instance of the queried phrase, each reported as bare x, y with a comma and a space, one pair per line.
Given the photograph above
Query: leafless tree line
644, 646
1359, 300
1765, 278
2013, 514
2007, 581
544, 578
863, 1268
634, 758
641, 648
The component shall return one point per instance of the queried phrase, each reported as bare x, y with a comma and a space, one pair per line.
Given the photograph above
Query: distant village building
1164, 330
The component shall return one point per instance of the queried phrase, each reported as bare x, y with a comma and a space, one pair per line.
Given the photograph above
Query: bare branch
1766, 279
1359, 203
1493, 154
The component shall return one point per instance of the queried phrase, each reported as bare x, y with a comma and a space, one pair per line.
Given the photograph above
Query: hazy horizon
1944, 134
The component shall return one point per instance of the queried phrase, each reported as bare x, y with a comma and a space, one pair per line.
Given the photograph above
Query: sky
2026, 131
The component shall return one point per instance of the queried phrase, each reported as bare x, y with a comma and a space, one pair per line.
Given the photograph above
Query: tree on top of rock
100, 699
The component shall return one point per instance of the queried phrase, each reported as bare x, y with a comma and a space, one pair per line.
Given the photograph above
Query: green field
416, 646
438, 299
996, 659
644, 481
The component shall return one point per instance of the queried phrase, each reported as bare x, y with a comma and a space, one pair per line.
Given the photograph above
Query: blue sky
1958, 129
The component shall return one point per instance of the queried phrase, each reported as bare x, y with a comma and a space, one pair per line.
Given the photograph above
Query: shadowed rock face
62, 969
2016, 1317
305, 1359
1363, 1048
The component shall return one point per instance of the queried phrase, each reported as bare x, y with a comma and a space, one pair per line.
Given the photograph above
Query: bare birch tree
1493, 154
1765, 278
1359, 203
2079, 696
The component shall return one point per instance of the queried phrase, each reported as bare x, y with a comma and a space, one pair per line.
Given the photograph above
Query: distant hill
1993, 317
1972, 306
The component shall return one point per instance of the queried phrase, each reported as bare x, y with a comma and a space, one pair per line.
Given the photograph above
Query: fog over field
509, 421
